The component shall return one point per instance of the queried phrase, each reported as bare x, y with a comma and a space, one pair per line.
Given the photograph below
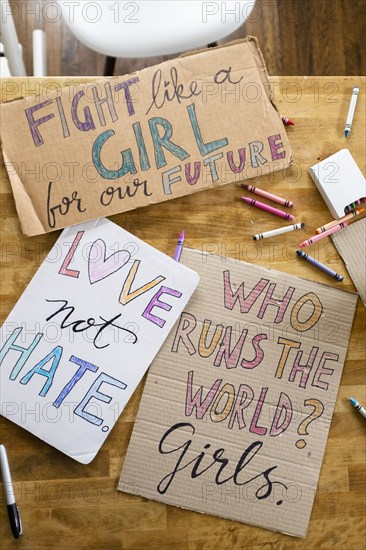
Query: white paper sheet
84, 332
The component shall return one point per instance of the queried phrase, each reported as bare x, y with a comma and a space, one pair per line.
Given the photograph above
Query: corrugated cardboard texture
351, 245
189, 124
267, 372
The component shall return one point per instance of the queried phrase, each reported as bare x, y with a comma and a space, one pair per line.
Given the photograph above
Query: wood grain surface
316, 37
67, 505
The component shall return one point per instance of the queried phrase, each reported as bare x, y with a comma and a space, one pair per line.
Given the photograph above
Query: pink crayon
324, 234
340, 220
266, 195
267, 208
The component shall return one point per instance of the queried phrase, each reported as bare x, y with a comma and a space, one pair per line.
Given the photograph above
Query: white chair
12, 63
4, 64
150, 28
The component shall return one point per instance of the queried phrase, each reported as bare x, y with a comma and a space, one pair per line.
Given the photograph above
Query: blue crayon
321, 266
358, 407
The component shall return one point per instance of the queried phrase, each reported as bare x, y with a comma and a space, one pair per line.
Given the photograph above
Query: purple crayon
267, 208
319, 265
179, 247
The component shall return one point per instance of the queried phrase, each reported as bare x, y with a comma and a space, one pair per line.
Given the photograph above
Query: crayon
266, 195
358, 407
287, 121
319, 236
179, 247
278, 231
267, 208
351, 111
349, 208
340, 220
319, 265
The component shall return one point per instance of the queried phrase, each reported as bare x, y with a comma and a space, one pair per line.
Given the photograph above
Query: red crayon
287, 121
268, 208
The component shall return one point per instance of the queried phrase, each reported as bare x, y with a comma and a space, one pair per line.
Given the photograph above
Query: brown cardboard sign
191, 123
237, 405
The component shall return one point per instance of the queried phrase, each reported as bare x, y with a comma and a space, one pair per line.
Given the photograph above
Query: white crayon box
339, 181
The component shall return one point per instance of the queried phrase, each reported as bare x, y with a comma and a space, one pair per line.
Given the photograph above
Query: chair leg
110, 64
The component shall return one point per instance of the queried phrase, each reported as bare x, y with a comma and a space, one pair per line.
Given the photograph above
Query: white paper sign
84, 332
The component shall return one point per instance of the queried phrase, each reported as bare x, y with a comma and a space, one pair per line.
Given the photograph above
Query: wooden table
66, 505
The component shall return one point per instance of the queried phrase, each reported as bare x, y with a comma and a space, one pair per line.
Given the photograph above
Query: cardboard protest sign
84, 332
191, 123
237, 404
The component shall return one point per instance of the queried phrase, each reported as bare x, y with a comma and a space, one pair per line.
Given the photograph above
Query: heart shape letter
101, 267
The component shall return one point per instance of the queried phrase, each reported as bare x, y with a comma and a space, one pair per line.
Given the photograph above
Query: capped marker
351, 111
319, 265
278, 231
